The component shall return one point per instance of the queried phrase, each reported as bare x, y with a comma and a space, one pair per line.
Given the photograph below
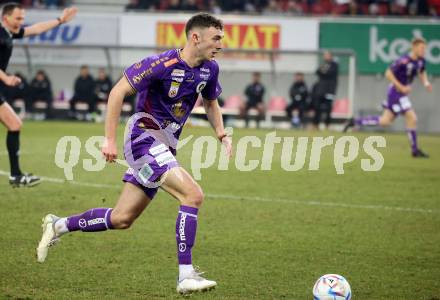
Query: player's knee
194, 197
122, 221
124, 224
385, 122
15, 126
413, 119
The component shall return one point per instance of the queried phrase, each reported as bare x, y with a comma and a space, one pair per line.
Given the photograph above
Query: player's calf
97, 219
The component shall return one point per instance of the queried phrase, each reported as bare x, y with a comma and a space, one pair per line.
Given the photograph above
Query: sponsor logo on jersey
145, 173
177, 79
173, 125
137, 78
200, 86
174, 88
158, 149
165, 158
204, 70
204, 76
137, 65
190, 77
170, 62
96, 221
178, 72
177, 110
182, 247
182, 227
82, 223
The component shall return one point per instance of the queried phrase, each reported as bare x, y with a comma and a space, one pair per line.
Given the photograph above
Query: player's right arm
424, 79
40, 27
404, 89
9, 80
137, 78
114, 106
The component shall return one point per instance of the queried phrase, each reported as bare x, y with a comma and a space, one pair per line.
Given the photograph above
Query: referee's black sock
13, 146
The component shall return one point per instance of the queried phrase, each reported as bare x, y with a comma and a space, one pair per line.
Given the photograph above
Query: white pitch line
63, 181
6, 153
319, 203
256, 198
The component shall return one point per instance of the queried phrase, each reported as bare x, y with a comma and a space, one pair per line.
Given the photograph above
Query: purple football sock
367, 121
96, 219
186, 227
412, 136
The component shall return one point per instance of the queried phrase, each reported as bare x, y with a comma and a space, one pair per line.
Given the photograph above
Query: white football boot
49, 237
194, 283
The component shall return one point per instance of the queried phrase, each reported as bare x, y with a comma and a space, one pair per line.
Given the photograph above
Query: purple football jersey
168, 88
405, 68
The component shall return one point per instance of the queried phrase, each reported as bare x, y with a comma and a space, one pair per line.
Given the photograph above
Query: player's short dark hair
9, 7
202, 20
418, 40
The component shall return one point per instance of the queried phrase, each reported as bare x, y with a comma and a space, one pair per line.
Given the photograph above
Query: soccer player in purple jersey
401, 74
168, 86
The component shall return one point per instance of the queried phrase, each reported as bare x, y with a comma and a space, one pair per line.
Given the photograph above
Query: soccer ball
331, 287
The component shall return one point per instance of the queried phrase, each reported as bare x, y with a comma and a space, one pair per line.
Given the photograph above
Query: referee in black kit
11, 28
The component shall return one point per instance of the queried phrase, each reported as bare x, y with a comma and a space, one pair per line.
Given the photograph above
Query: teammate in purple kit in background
168, 86
401, 73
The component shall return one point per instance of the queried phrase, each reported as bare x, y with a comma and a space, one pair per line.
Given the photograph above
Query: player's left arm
424, 79
214, 114
37, 28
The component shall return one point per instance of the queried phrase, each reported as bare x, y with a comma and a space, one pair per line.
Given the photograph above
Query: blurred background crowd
271, 7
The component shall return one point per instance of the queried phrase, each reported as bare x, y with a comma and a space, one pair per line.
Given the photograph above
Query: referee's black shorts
2, 98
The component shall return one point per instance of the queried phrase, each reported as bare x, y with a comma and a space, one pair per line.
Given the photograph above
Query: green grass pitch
261, 235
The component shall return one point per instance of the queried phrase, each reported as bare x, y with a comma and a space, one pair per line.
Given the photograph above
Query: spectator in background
213, 7
434, 7
43, 4
298, 95
148, 4
272, 8
141, 4
132, 5
254, 93
84, 91
52, 4
41, 90
355, 8
189, 5
232, 5
173, 5
398, 7
132, 101
325, 89
293, 7
103, 85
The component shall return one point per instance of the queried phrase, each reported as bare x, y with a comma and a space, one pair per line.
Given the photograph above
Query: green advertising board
378, 44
